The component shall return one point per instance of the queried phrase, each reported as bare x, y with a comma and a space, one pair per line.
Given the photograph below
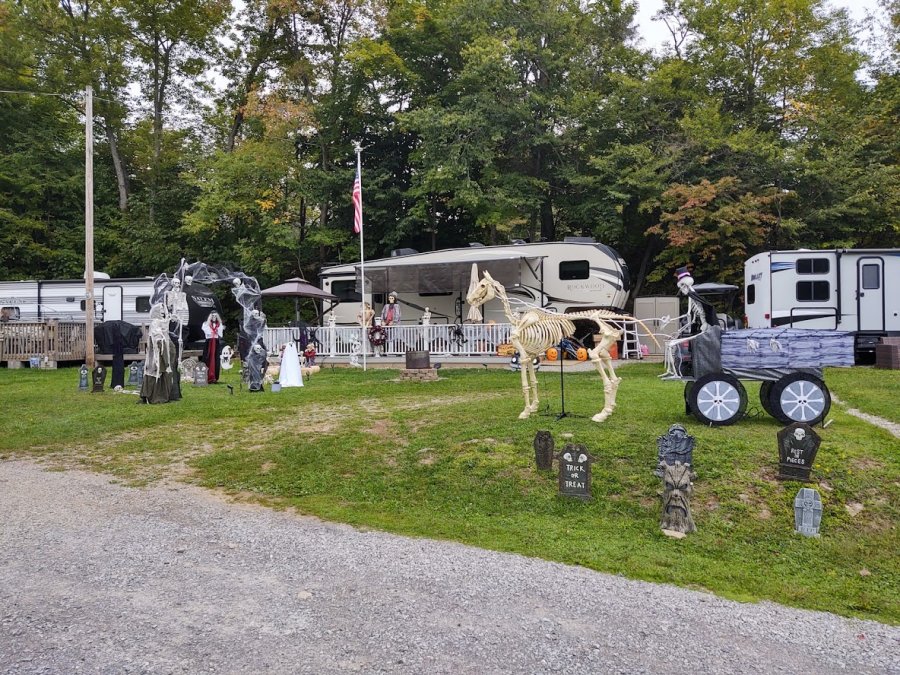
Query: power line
46, 93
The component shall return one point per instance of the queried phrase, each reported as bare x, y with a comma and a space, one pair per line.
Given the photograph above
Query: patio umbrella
474, 314
298, 288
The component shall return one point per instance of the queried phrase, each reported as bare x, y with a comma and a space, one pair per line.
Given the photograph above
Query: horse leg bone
534, 386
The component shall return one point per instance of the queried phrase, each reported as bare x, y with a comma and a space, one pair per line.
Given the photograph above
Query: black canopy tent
412, 276
298, 288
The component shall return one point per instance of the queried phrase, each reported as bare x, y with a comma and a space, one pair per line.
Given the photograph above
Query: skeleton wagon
788, 361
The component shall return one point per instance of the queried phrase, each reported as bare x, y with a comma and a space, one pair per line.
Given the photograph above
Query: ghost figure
256, 367
225, 358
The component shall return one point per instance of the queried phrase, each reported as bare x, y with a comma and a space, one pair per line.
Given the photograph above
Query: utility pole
89, 227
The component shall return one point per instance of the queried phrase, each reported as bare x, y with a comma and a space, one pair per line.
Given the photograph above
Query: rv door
112, 303
870, 293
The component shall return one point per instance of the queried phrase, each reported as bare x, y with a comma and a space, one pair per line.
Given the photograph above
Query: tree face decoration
676, 513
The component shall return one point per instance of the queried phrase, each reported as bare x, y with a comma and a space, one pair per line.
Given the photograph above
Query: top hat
682, 272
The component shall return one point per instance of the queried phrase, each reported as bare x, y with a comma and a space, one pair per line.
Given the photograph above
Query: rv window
345, 291
751, 294
9, 314
871, 277
812, 291
82, 305
812, 266
574, 269
142, 304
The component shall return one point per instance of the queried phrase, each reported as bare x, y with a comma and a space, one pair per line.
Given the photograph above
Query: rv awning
414, 276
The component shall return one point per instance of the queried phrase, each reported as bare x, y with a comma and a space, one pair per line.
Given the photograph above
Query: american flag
357, 203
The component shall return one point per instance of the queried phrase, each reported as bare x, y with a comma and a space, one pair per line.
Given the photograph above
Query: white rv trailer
63, 299
560, 277
843, 289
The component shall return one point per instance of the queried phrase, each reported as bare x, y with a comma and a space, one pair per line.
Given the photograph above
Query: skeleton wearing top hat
700, 312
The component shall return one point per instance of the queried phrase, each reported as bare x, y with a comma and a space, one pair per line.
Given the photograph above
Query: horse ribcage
538, 330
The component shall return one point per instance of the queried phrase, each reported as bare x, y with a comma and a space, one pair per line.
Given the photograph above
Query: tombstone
676, 498
135, 374
798, 444
98, 377
807, 512
543, 450
201, 375
575, 471
83, 378
675, 446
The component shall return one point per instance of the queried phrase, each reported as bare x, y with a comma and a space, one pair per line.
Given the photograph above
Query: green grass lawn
450, 460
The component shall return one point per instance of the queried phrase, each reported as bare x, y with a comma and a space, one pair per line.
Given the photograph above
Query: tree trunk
121, 176
649, 251
261, 56
548, 225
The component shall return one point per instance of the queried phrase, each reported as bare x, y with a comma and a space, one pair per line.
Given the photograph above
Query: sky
654, 33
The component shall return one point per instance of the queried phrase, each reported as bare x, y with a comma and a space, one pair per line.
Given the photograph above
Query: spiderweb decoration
169, 304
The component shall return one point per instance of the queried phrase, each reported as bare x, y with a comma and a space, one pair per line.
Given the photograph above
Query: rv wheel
718, 399
799, 397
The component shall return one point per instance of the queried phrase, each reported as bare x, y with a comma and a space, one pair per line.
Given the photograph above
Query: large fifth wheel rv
842, 289
63, 299
560, 277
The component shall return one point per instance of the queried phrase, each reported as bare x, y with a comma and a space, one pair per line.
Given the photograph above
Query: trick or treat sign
575, 471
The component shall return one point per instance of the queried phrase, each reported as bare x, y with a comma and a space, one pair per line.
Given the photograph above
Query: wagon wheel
687, 397
799, 397
718, 399
765, 397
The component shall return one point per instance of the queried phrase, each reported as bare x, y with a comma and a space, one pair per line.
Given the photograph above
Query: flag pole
362, 254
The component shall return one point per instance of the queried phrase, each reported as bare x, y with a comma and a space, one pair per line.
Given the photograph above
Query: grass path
450, 460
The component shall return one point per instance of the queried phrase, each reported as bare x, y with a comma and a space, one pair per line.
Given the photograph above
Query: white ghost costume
290, 374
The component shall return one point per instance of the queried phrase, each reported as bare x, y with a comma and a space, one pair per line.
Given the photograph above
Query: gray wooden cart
788, 362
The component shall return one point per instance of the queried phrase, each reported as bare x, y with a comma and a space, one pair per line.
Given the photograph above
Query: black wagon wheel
687, 397
765, 396
718, 399
799, 397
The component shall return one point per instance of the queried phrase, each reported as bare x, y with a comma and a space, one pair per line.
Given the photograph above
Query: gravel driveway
95, 577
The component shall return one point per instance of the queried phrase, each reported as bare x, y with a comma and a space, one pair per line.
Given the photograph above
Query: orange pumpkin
552, 354
581, 354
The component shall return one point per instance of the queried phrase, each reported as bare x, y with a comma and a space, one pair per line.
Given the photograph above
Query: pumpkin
552, 354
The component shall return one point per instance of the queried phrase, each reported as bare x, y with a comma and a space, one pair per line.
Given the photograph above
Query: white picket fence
440, 339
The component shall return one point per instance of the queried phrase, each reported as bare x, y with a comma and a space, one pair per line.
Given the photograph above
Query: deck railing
54, 340
49, 340
451, 340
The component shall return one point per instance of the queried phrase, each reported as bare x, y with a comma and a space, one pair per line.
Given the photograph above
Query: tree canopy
225, 132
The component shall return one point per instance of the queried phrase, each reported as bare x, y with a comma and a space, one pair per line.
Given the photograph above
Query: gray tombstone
798, 444
201, 375
83, 378
135, 374
807, 512
98, 378
575, 471
675, 446
543, 450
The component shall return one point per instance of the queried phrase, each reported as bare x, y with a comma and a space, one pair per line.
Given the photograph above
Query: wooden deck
49, 342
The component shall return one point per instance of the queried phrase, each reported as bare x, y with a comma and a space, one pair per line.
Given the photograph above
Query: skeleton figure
700, 316
536, 330
676, 513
